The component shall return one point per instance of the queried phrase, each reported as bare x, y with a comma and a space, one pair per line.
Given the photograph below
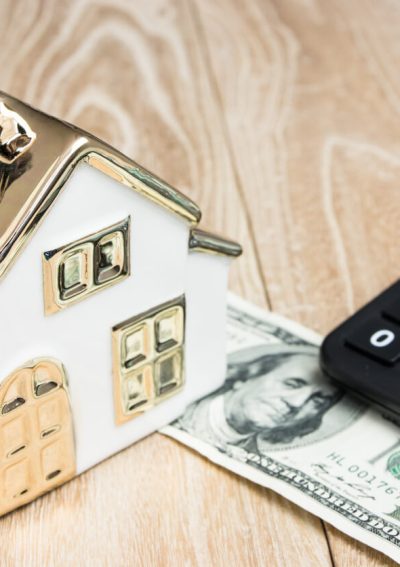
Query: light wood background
281, 118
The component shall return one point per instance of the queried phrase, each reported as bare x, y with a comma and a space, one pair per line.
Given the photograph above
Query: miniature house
112, 302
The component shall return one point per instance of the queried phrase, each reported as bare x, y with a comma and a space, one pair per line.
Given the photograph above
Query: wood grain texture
279, 119
310, 100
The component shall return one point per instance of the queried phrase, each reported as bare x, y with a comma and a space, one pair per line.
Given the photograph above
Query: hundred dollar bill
278, 422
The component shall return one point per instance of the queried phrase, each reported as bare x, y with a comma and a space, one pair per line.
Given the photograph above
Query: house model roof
37, 155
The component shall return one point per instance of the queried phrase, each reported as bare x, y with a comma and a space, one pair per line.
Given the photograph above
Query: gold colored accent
117, 166
79, 269
37, 451
148, 359
27, 191
16, 137
206, 242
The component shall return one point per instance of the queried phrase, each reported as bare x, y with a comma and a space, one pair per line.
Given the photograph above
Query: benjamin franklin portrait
274, 397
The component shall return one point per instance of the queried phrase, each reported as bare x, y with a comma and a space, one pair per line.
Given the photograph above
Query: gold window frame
142, 375
56, 295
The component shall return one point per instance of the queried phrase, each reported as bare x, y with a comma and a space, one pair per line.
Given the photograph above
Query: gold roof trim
203, 241
129, 173
30, 184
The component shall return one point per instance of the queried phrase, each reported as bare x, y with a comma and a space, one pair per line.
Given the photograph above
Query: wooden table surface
281, 118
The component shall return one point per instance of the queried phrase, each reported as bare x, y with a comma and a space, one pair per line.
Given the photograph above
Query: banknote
279, 422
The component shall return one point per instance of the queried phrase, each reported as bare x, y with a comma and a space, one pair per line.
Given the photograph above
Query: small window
168, 371
148, 358
72, 273
136, 346
72, 269
168, 328
109, 257
139, 389
81, 268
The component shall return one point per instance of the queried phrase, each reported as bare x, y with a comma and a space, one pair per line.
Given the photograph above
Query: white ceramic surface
162, 268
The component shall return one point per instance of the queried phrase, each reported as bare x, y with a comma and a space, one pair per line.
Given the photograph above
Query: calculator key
378, 338
392, 311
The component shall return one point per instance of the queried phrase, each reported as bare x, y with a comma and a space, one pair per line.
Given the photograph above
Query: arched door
37, 450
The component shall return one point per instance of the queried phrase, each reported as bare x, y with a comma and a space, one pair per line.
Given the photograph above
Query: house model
112, 302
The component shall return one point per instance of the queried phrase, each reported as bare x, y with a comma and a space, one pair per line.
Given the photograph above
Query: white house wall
80, 335
206, 321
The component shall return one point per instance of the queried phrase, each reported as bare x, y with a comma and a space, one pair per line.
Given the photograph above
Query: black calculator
362, 355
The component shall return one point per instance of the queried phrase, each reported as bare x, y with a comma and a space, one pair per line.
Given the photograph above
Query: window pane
169, 329
72, 271
109, 257
166, 330
169, 373
135, 346
138, 389
72, 274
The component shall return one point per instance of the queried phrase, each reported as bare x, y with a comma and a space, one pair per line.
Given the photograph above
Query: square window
148, 358
138, 390
109, 257
169, 373
135, 346
169, 329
